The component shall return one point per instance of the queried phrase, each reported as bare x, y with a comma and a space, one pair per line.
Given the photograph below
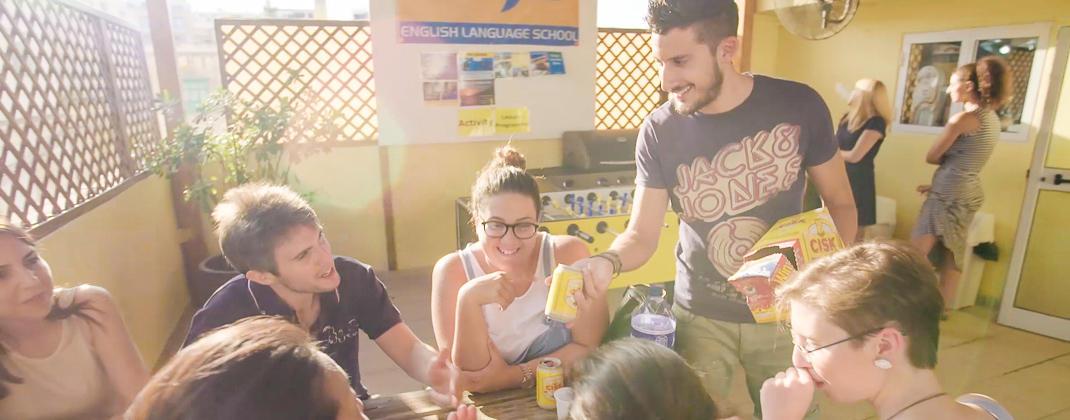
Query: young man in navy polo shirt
273, 237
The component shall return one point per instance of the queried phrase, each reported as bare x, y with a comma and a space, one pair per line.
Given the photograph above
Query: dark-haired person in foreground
261, 368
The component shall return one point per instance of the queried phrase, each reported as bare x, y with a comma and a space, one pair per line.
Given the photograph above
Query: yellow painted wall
763, 58
870, 47
347, 195
128, 245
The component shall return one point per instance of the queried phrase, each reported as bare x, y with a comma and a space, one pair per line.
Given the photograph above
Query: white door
1037, 294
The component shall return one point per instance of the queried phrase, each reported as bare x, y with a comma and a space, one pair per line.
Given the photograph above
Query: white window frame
969, 39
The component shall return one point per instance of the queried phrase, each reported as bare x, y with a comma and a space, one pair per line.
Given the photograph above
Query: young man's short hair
252, 218
713, 20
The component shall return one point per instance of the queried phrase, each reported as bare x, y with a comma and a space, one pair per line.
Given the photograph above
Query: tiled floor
1028, 373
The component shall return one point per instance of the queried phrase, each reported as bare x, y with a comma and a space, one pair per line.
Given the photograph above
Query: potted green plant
231, 142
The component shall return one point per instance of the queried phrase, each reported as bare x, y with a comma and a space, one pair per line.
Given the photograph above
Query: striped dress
956, 193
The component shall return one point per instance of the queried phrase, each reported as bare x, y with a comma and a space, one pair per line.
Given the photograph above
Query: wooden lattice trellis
627, 86
75, 108
332, 61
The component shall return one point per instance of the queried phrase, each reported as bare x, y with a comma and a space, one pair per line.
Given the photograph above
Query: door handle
1060, 180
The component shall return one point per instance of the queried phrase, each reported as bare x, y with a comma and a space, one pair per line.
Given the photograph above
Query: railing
627, 86
76, 109
330, 60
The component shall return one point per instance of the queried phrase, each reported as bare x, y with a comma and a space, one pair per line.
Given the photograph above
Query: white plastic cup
563, 396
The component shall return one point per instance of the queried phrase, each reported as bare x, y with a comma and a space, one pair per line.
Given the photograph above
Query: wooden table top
502, 405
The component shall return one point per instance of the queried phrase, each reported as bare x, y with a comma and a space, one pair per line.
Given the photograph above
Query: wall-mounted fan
815, 19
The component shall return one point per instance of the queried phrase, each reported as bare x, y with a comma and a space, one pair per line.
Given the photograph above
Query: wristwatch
527, 380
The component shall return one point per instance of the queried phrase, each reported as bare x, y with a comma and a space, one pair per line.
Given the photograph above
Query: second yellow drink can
561, 304
548, 378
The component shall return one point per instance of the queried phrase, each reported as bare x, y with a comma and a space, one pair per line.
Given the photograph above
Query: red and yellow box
757, 280
787, 247
803, 237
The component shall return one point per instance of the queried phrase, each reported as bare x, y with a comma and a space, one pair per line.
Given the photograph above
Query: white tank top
69, 383
514, 329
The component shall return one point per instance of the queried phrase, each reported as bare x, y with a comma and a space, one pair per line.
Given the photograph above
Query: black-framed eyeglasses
856, 336
523, 230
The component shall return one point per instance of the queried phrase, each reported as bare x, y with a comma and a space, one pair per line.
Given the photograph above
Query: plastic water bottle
653, 320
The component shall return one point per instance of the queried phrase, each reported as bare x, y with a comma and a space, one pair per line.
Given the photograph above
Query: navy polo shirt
359, 303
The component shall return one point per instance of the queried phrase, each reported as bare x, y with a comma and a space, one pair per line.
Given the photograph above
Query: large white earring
882, 363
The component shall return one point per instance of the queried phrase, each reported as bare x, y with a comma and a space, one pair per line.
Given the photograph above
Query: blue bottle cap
655, 290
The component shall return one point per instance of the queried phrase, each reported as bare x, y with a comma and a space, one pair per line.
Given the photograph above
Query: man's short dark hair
253, 218
713, 20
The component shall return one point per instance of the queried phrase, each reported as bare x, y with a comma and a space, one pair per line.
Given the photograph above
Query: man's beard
706, 97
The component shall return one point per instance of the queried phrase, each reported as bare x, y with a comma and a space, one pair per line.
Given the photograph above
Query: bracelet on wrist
527, 378
614, 260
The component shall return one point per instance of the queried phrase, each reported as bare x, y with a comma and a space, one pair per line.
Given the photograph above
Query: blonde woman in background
860, 134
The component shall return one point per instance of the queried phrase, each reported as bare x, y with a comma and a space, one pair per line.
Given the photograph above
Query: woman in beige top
64, 353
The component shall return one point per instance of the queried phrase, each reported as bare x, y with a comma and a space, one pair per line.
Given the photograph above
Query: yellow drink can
561, 304
548, 378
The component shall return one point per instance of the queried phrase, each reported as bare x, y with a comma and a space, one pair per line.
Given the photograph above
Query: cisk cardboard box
788, 246
803, 237
757, 279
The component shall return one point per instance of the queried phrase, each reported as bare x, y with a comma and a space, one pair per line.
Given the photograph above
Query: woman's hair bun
508, 156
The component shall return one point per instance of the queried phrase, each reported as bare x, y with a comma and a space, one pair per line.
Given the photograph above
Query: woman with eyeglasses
487, 300
866, 324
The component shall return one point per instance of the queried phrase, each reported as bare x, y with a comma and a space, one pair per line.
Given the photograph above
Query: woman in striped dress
961, 152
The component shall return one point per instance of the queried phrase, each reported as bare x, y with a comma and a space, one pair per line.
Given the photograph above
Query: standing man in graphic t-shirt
729, 151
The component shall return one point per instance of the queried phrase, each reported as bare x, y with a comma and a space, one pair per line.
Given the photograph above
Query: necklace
938, 394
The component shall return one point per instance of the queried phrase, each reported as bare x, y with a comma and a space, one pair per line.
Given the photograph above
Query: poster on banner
477, 66
440, 92
545, 63
518, 22
557, 62
503, 65
521, 63
477, 92
439, 73
475, 122
511, 121
438, 66
511, 65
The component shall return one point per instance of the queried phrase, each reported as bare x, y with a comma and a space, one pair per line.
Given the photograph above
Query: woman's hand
788, 395
924, 189
464, 412
491, 288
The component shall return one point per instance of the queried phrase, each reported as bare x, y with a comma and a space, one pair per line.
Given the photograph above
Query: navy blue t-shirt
359, 303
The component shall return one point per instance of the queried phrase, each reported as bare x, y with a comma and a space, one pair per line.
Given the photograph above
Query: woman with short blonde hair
865, 322
860, 134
